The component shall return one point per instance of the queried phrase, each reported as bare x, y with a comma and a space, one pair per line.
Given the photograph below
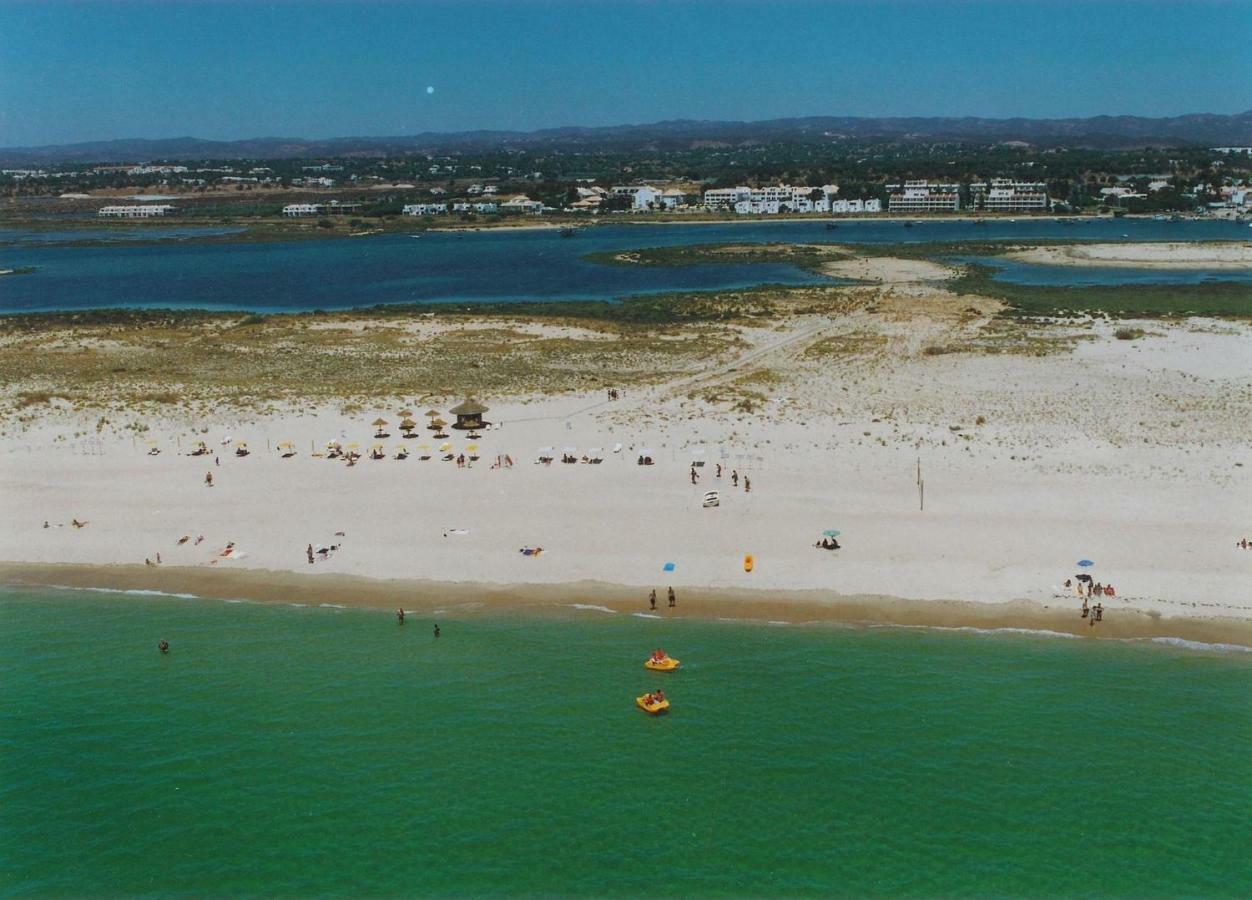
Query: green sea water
282, 750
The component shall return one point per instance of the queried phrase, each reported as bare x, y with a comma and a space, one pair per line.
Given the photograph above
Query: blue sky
77, 71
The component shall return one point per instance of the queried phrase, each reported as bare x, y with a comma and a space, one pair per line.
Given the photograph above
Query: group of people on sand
1085, 586
1243, 544
828, 543
613, 393
673, 599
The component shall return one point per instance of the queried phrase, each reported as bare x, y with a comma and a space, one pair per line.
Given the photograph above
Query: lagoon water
498, 265
296, 750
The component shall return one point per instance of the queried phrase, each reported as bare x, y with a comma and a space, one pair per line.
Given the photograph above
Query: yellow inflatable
668, 664
655, 707
748, 563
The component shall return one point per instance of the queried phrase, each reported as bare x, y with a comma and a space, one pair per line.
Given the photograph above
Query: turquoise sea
305, 750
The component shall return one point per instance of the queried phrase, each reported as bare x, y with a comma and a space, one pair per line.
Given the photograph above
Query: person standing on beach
208, 479
747, 485
309, 552
652, 599
734, 477
673, 601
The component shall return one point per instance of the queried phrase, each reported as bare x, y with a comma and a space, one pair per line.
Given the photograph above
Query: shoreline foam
571, 599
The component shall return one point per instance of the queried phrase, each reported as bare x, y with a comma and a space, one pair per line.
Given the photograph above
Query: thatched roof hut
469, 414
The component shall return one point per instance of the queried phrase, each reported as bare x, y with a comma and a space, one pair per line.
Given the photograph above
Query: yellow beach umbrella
445, 447
423, 448
353, 445
285, 445
333, 445
471, 448
377, 447
241, 443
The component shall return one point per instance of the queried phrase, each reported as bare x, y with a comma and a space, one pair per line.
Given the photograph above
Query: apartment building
1007, 195
920, 196
135, 212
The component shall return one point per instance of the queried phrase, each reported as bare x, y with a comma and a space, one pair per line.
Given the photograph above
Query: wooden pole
921, 495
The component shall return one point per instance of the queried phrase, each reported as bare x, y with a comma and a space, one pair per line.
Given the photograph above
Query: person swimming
163, 645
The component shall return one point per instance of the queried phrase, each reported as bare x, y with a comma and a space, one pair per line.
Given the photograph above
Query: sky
93, 70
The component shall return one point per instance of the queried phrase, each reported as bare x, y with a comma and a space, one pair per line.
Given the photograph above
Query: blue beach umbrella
1085, 563
668, 567
831, 532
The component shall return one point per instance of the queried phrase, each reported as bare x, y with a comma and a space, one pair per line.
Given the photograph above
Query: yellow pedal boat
654, 708
668, 664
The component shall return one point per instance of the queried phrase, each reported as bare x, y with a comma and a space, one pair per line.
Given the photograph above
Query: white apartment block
641, 196
856, 206
522, 204
1007, 195
463, 206
781, 198
920, 196
303, 209
425, 209
135, 212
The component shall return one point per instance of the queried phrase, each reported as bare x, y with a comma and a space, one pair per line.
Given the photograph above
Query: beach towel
668, 567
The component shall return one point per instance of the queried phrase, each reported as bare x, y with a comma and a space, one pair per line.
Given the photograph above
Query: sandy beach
1076, 445
1222, 257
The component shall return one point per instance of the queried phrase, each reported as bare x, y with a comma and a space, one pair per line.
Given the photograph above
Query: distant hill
1109, 132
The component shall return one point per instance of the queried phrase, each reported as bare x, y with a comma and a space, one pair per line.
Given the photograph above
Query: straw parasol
379, 422
405, 413
437, 423
433, 414
407, 425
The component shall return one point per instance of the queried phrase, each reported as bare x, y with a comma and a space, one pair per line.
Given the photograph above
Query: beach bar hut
469, 415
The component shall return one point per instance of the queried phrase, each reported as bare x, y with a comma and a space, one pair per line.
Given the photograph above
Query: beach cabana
469, 415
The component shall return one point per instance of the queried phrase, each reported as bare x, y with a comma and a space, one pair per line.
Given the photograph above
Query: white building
1007, 195
303, 209
135, 212
920, 196
726, 198
425, 209
522, 204
642, 196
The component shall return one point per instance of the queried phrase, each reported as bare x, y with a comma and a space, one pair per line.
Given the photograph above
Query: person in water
163, 645
436, 629
400, 615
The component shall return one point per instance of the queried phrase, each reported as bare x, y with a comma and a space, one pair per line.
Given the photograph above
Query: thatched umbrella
433, 414
437, 424
407, 425
379, 423
405, 413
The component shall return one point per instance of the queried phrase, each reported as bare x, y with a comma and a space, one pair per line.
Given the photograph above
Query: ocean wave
592, 606
972, 629
132, 592
646, 616
1198, 645
332, 606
